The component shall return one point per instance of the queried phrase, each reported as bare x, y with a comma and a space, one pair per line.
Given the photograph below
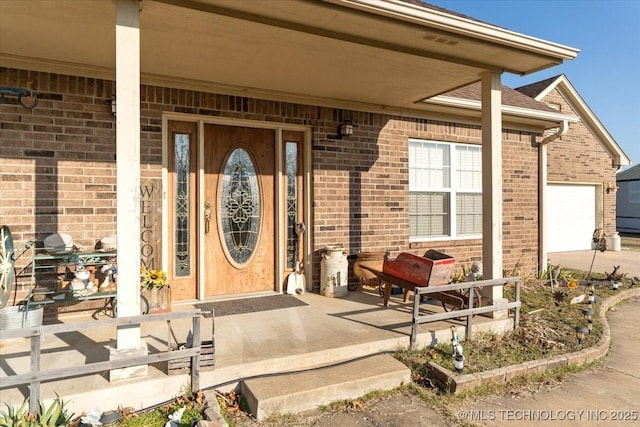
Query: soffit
337, 50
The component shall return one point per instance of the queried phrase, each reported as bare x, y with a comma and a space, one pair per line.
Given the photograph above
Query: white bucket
16, 317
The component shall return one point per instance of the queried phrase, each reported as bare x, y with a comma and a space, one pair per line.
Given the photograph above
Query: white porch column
492, 182
128, 166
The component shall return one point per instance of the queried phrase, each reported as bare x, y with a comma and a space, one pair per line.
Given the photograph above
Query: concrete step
297, 392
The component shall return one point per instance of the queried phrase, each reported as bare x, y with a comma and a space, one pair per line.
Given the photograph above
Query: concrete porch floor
323, 332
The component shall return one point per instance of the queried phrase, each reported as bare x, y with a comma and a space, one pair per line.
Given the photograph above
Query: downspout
542, 192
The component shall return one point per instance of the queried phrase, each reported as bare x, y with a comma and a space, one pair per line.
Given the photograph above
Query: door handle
207, 216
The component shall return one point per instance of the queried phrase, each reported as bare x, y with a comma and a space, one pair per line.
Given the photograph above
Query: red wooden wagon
409, 271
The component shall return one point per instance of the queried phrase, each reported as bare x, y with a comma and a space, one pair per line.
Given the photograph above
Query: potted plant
154, 286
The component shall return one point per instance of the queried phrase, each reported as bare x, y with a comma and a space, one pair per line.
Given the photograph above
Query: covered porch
364, 55
316, 331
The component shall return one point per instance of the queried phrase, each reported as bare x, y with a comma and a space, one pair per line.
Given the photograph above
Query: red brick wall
58, 168
578, 157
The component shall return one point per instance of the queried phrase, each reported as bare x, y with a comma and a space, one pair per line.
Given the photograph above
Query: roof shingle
630, 174
510, 97
534, 89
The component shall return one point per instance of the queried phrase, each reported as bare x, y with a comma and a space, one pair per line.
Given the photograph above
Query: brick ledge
458, 383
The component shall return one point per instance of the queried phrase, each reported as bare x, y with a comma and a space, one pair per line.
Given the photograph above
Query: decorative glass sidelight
292, 201
182, 168
240, 207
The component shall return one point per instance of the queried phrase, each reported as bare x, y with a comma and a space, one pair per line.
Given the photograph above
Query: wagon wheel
144, 305
6, 264
477, 300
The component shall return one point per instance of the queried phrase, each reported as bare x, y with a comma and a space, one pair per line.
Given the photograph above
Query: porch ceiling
385, 53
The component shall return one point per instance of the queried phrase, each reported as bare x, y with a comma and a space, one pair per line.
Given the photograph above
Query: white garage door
571, 217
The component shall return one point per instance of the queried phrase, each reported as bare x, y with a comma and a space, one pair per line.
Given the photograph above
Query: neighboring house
628, 200
252, 96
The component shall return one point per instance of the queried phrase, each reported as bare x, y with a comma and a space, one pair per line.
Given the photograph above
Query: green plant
192, 402
53, 416
14, 416
461, 275
560, 276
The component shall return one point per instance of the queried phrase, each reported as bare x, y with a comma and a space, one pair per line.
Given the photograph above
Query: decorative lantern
580, 333
459, 363
588, 315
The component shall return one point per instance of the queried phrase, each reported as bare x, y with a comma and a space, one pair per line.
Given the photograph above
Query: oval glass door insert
240, 207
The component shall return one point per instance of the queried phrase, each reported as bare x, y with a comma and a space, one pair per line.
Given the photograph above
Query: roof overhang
512, 116
383, 55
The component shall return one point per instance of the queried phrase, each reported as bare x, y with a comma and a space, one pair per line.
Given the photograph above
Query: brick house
267, 117
581, 171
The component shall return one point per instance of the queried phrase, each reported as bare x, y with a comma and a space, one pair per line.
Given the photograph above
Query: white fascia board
471, 104
460, 25
589, 119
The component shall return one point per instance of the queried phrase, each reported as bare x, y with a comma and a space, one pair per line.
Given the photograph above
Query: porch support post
128, 167
492, 182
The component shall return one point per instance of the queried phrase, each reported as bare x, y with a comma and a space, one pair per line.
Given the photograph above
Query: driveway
603, 262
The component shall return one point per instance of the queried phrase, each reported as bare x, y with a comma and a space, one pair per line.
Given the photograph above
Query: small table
109, 295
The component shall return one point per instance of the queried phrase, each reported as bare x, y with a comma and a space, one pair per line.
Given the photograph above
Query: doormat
251, 305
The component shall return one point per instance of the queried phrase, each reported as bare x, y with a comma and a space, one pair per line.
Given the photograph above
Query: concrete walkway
606, 396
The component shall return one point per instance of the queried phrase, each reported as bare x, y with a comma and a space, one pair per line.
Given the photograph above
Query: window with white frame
445, 190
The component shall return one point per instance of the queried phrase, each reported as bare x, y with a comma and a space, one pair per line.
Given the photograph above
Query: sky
606, 72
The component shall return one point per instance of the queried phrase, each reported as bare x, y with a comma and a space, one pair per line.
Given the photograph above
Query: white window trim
453, 190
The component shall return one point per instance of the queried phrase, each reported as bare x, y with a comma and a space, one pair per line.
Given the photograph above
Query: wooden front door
239, 210
227, 234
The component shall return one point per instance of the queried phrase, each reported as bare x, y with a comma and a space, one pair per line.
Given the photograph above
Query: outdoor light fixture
345, 129
580, 332
588, 314
592, 294
615, 285
459, 363
112, 101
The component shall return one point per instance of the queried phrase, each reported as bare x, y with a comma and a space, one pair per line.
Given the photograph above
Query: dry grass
547, 329
630, 241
